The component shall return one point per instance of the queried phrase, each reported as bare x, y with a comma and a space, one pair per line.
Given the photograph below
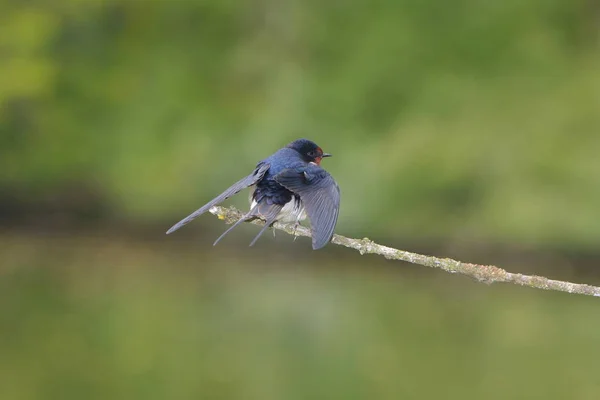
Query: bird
287, 186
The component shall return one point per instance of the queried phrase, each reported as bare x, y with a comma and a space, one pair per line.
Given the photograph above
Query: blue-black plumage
289, 184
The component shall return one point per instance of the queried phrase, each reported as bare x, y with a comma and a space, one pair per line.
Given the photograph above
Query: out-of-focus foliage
453, 124
472, 119
183, 325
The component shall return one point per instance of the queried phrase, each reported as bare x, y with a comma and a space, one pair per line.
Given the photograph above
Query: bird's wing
320, 195
243, 183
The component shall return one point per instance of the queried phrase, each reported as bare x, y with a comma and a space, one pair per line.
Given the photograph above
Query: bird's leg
296, 225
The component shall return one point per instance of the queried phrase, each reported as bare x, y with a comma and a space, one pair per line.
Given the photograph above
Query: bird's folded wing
320, 195
255, 176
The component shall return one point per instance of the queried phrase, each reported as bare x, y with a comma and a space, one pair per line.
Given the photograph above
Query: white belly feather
292, 211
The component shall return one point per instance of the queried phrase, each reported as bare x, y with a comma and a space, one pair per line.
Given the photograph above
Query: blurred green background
468, 129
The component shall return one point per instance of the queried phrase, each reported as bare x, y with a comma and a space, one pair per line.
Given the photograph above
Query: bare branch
483, 273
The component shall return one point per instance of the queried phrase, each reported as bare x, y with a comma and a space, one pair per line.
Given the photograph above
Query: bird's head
308, 150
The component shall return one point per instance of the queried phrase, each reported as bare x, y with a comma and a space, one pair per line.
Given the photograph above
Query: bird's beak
326, 155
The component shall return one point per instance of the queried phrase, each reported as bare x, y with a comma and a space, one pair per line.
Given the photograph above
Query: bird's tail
243, 219
249, 215
268, 212
264, 228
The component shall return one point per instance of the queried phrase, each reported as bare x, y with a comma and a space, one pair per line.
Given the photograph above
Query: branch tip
482, 273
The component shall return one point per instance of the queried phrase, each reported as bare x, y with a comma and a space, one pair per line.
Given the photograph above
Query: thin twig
483, 273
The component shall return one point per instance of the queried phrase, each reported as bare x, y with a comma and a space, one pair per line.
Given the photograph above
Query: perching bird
288, 185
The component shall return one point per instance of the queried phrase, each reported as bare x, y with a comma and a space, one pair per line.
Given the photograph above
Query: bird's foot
296, 225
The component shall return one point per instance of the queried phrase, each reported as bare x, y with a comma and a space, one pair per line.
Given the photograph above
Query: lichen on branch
482, 273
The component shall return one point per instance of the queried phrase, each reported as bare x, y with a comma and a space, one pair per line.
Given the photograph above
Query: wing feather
320, 195
260, 171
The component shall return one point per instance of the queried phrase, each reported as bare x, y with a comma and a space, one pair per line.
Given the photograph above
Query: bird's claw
295, 229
